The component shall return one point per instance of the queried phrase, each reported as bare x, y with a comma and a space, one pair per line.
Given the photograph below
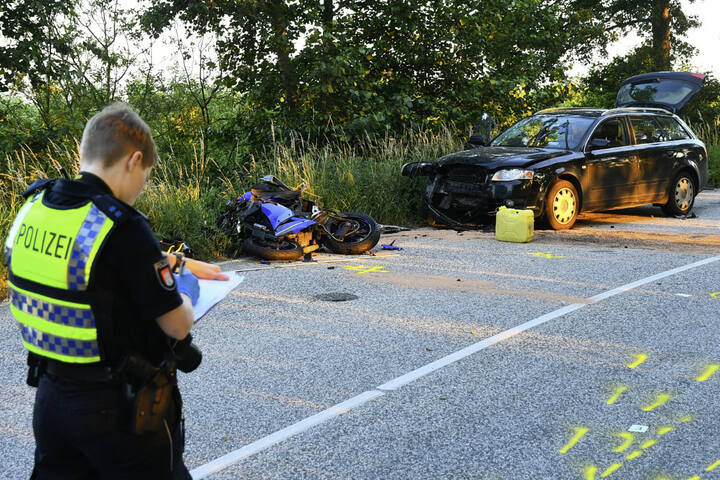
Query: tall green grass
17, 172
709, 133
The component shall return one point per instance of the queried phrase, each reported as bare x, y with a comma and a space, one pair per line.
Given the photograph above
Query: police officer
103, 317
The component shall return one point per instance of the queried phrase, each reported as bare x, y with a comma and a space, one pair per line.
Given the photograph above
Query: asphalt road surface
585, 354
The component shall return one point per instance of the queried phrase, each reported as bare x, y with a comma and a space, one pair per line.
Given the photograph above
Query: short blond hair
114, 132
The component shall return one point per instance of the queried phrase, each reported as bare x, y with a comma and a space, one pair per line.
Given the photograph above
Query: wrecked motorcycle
274, 222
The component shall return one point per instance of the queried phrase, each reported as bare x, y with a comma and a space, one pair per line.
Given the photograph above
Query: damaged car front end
460, 191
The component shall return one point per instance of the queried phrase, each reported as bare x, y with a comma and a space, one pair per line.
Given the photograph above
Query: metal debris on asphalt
384, 229
390, 246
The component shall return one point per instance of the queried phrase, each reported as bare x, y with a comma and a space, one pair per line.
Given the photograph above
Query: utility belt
149, 389
80, 373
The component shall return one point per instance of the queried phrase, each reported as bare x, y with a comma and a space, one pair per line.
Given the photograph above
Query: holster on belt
150, 391
35, 367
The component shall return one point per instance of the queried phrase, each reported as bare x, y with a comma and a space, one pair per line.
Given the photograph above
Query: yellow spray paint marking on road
639, 358
590, 472
660, 400
618, 391
309, 264
545, 255
708, 372
713, 466
648, 444
367, 269
627, 441
611, 469
579, 433
696, 477
686, 419
664, 430
715, 294
634, 454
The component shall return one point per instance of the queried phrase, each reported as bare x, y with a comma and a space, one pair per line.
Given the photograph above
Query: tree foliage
660, 23
364, 66
265, 69
68, 59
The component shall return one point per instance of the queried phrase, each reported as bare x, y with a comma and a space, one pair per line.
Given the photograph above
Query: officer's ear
135, 160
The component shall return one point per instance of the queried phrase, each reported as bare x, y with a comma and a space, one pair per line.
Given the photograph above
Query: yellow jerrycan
512, 225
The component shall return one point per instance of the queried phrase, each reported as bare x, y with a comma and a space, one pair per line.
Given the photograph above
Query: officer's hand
187, 283
202, 270
206, 271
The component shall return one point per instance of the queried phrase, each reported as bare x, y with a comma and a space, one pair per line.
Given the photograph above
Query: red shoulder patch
164, 274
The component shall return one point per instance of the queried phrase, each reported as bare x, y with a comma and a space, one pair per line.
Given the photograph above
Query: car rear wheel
561, 205
682, 195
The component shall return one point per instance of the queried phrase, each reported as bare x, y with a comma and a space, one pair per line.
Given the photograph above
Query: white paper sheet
212, 291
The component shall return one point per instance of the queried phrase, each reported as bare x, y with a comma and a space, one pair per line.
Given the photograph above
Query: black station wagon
562, 161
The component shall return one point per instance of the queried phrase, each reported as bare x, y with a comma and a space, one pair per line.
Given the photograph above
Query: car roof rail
637, 110
567, 109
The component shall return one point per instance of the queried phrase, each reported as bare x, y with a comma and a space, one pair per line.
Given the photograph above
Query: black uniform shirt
129, 293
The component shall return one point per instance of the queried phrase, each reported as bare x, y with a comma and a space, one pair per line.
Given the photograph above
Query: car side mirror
482, 133
476, 141
599, 143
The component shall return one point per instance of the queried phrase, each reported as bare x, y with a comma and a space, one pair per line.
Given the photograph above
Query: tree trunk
329, 51
660, 19
328, 15
282, 47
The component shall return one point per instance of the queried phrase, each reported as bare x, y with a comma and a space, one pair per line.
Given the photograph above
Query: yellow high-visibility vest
54, 250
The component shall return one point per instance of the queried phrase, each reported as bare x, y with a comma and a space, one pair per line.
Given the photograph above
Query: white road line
281, 435
344, 407
651, 279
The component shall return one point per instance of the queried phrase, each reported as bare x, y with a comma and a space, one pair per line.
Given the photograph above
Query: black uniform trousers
81, 433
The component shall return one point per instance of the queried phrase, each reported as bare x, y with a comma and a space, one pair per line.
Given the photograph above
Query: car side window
612, 130
646, 130
673, 130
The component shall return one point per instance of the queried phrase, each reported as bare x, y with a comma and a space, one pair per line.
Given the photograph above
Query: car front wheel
682, 195
561, 205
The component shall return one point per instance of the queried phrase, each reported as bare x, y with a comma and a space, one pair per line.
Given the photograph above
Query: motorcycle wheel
361, 241
285, 250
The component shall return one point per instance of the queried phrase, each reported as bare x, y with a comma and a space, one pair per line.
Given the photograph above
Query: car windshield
546, 131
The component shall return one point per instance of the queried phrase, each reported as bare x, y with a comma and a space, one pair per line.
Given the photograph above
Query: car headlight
419, 169
514, 174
